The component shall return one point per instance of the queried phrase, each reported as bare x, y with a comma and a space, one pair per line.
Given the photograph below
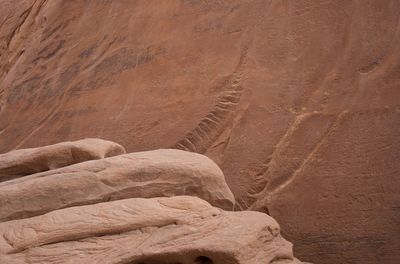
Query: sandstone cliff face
297, 101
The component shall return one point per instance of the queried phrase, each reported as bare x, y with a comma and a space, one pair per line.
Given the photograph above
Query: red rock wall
297, 101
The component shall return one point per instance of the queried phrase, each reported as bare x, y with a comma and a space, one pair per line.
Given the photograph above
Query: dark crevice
203, 260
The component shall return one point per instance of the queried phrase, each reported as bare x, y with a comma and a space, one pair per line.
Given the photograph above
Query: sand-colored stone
80, 214
23, 162
180, 229
296, 100
167, 172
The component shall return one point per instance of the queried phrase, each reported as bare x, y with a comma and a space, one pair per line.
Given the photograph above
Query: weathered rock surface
23, 162
183, 230
155, 173
79, 214
296, 101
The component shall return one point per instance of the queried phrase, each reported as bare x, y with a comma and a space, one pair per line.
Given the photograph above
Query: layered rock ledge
154, 207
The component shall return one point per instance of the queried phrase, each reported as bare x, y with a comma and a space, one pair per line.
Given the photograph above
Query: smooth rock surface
24, 162
166, 172
296, 101
184, 230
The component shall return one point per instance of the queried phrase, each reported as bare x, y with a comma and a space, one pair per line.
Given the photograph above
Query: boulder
164, 172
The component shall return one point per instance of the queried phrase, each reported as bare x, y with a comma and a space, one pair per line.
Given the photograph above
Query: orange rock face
296, 101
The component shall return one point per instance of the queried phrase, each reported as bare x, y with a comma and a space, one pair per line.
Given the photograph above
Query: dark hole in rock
203, 260
158, 262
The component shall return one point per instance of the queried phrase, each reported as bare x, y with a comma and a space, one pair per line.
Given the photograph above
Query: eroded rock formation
143, 174
29, 161
296, 100
181, 229
67, 217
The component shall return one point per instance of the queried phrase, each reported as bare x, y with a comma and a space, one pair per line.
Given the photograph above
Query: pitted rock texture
167, 172
80, 214
296, 100
23, 162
